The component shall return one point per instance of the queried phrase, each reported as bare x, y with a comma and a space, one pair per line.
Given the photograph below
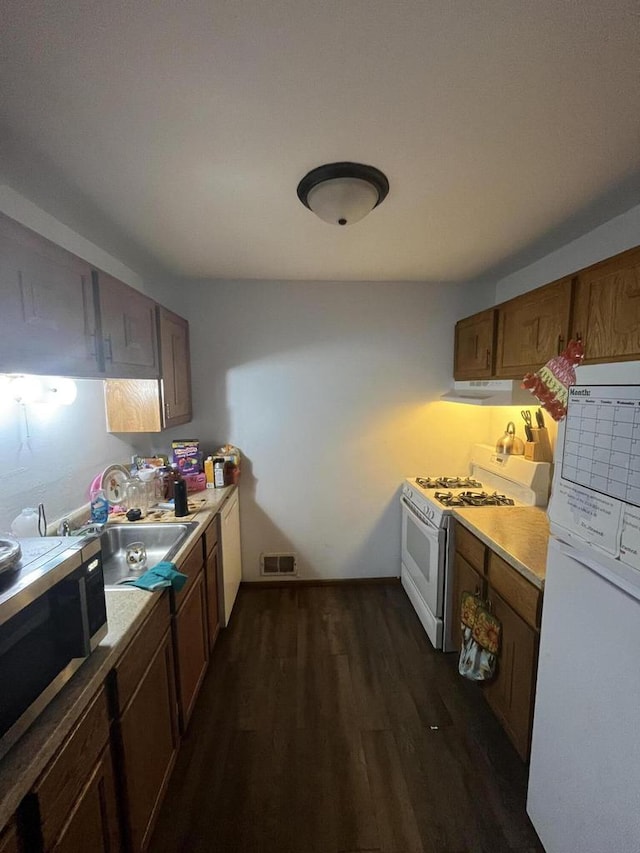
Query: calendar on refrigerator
602, 440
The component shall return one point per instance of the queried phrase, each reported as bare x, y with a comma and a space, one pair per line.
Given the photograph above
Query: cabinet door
474, 346
93, 823
465, 579
511, 692
607, 309
9, 842
149, 743
47, 316
128, 324
211, 581
533, 328
176, 368
192, 647
62, 785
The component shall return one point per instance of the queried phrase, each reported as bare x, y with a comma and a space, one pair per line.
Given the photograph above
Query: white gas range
427, 540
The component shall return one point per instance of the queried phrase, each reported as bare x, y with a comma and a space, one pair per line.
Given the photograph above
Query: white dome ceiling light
343, 193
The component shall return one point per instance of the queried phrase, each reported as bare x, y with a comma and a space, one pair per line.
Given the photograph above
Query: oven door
423, 558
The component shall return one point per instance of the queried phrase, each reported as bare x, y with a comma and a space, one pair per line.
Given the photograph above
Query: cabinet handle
93, 351
478, 590
488, 361
560, 344
107, 343
537, 332
167, 410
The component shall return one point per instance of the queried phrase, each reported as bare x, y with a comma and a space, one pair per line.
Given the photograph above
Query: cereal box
186, 455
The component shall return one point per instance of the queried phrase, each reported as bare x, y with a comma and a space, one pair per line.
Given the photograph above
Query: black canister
180, 497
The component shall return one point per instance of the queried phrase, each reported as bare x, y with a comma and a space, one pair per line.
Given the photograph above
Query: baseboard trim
321, 582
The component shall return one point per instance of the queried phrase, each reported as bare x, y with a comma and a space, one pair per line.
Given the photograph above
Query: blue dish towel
158, 576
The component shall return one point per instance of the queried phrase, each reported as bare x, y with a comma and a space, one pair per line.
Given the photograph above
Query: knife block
538, 450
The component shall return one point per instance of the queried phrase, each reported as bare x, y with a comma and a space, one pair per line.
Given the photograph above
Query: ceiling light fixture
343, 193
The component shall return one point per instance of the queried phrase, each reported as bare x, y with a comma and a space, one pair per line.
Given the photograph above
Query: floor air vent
278, 564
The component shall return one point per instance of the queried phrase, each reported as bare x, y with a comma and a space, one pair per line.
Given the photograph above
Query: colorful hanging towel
480, 639
551, 383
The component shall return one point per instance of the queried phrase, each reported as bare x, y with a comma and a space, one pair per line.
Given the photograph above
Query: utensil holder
538, 450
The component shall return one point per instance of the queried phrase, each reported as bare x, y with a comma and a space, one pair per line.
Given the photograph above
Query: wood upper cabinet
147, 727
47, 316
475, 346
607, 309
149, 405
533, 328
510, 694
173, 333
128, 327
75, 798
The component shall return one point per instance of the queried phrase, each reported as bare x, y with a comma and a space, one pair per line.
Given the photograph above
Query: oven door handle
428, 528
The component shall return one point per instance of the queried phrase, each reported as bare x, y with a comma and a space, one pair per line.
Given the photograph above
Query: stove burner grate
448, 483
470, 498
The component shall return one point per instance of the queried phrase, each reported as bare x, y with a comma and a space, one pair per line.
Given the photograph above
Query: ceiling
505, 127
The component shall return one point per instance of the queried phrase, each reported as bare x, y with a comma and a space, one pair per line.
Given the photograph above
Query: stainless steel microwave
52, 616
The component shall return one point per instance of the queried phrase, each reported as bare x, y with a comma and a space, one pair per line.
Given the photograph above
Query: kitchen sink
162, 542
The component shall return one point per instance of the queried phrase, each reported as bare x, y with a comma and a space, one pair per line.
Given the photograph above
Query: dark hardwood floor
328, 724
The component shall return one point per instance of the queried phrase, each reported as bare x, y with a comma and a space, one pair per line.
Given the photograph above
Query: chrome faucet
64, 528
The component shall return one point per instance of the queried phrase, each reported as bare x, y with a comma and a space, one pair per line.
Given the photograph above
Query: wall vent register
278, 564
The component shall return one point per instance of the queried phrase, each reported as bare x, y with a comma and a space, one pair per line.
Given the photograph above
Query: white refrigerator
584, 778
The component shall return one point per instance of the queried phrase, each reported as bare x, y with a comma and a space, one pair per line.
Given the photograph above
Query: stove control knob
408, 492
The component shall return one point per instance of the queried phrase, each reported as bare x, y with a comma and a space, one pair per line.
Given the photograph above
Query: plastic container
99, 507
26, 524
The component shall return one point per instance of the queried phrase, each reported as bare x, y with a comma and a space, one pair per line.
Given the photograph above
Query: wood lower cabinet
75, 798
147, 726
47, 316
475, 346
9, 840
510, 694
211, 569
465, 579
607, 309
533, 328
517, 604
191, 647
93, 824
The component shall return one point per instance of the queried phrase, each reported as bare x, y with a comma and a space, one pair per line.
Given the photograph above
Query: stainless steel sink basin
162, 542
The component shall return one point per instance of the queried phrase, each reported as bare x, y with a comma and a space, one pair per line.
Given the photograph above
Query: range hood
490, 392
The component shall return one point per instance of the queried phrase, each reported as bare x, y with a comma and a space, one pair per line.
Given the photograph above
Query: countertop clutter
520, 535
126, 611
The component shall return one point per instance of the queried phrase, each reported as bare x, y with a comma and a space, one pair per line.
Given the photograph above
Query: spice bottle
218, 472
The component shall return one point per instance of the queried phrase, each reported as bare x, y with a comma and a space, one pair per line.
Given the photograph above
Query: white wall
617, 235
68, 445
54, 464
24, 211
328, 390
